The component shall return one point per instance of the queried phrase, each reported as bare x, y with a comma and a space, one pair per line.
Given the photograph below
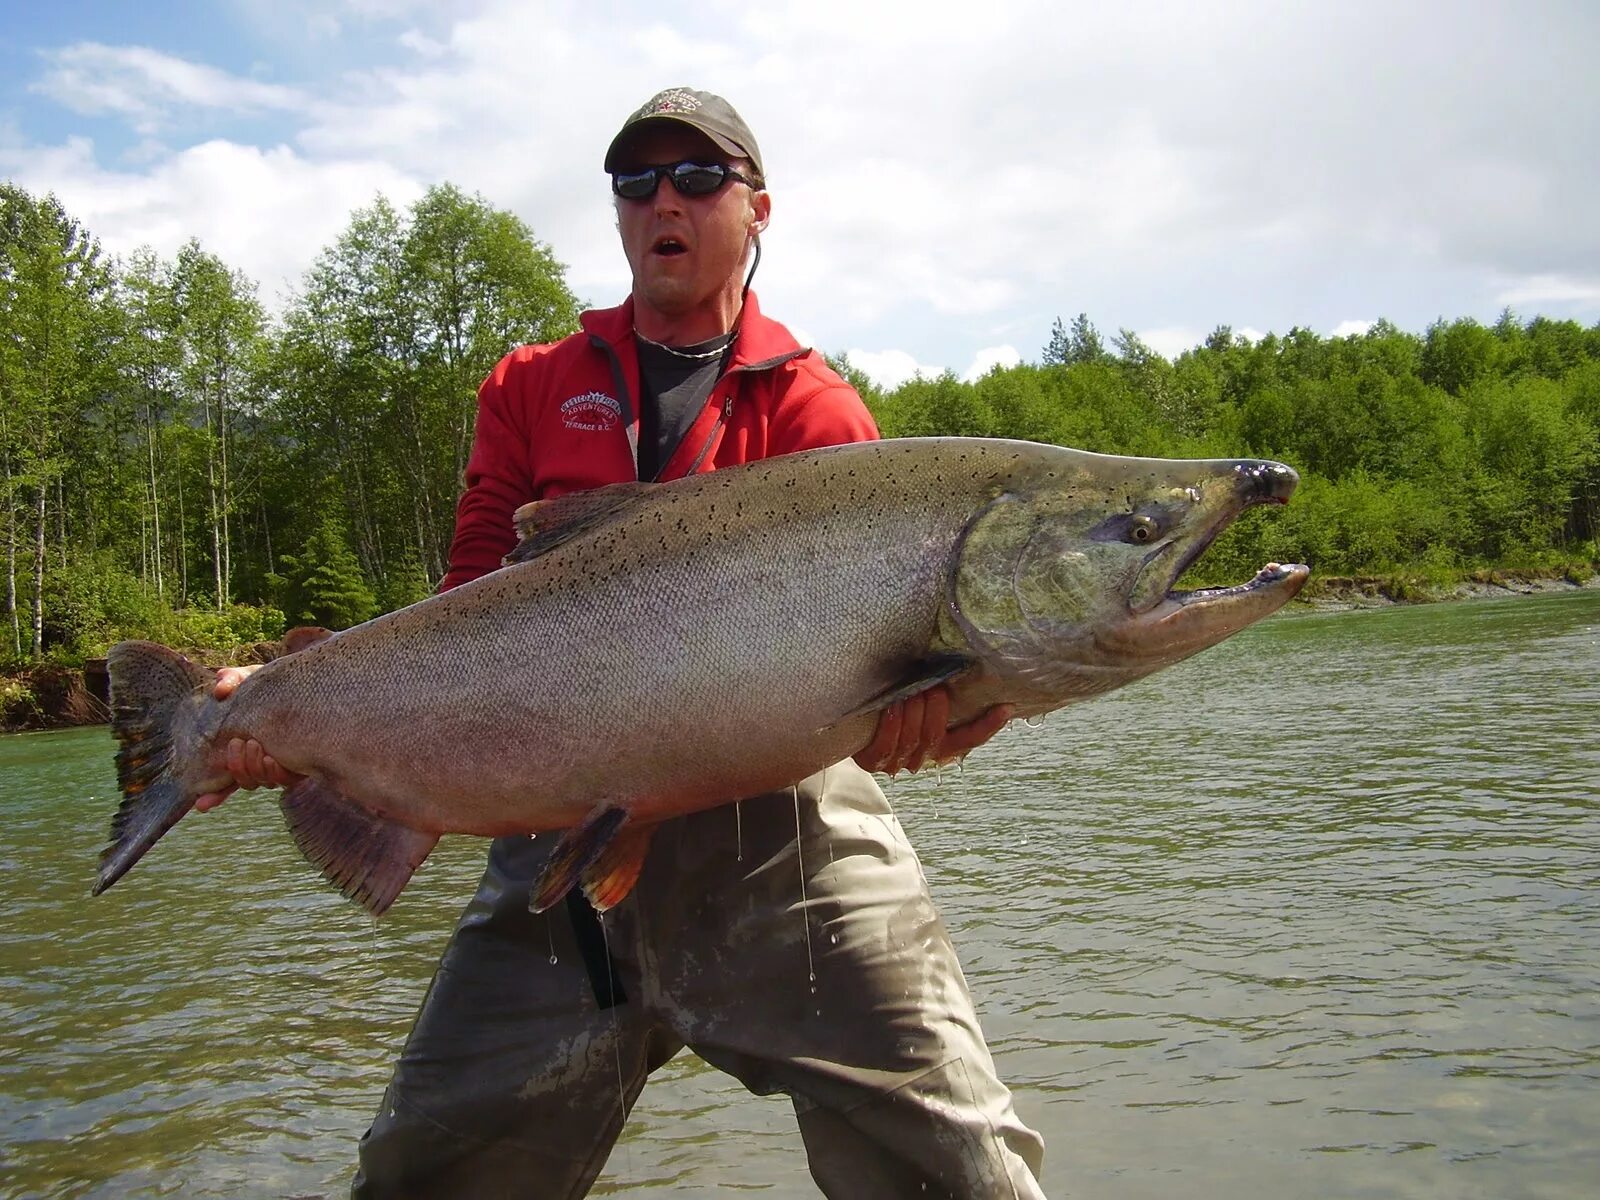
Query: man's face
687, 252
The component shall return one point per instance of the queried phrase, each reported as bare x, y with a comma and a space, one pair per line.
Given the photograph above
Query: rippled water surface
1316, 914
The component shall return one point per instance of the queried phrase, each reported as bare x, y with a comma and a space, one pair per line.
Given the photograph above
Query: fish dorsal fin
367, 857
545, 524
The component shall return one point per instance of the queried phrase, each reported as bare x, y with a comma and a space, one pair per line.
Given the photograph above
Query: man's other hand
911, 734
246, 760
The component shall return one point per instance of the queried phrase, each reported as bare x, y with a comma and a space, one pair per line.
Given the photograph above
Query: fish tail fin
156, 695
367, 857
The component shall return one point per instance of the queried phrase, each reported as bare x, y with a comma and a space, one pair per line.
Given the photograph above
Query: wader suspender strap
620, 382
727, 401
586, 929
597, 961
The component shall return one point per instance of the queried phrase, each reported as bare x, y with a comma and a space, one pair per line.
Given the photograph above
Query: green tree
1457, 354
56, 330
375, 376
219, 328
323, 585
1058, 347
1533, 454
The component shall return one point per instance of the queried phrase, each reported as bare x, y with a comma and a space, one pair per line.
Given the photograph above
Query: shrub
18, 704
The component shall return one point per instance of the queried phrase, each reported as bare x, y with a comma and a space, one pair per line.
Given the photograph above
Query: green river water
1316, 914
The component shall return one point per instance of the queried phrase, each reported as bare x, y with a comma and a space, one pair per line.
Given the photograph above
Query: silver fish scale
701, 646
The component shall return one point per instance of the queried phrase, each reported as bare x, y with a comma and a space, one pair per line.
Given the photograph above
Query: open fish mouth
1187, 621
1252, 483
1273, 575
1180, 622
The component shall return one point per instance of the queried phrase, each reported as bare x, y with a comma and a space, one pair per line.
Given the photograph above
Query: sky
947, 179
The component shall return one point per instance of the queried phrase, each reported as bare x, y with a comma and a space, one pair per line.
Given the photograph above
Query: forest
178, 463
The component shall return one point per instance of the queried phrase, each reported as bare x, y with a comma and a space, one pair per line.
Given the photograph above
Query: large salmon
653, 649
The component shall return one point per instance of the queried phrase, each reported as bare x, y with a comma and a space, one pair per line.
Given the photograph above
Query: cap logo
674, 100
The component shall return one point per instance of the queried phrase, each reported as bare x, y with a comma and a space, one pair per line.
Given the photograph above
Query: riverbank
59, 696
49, 696
1336, 592
53, 696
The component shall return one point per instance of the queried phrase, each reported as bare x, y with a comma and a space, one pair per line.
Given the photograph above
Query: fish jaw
1185, 622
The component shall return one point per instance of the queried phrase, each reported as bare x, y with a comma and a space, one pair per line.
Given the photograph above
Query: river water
1316, 914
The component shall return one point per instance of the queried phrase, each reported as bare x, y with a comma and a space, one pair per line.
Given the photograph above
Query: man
789, 940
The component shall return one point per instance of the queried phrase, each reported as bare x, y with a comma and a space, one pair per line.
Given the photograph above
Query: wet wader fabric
508, 1085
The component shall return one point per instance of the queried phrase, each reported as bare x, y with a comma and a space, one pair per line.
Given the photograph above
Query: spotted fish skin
655, 649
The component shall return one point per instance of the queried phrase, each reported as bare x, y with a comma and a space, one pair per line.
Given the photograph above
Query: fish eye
1130, 528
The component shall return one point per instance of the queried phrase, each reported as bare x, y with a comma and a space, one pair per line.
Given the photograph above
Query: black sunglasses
690, 178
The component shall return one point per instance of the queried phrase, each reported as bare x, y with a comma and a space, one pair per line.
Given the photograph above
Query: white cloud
145, 85
988, 359
1351, 328
1559, 289
889, 368
265, 212
1154, 167
1169, 343
427, 47
1173, 341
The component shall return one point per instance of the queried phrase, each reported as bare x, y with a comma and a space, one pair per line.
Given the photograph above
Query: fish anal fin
924, 674
610, 877
578, 848
542, 525
367, 857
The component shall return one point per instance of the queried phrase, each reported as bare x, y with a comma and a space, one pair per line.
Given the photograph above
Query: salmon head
1064, 583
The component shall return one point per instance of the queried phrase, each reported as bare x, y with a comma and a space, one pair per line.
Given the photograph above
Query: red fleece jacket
563, 417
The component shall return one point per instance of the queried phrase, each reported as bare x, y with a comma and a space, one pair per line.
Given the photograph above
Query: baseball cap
703, 111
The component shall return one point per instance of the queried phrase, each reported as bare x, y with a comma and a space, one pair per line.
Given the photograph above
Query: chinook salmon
654, 649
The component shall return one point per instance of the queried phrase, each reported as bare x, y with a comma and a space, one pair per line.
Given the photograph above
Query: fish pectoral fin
925, 673
542, 525
579, 848
367, 857
610, 877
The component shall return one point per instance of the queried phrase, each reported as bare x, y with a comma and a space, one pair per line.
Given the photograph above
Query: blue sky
947, 179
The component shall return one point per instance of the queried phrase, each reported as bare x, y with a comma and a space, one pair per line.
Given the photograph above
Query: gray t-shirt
674, 383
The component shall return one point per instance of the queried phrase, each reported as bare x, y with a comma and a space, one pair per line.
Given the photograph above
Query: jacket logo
592, 410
